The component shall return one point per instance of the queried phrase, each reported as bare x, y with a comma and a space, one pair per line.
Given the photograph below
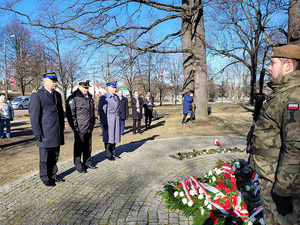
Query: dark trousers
148, 120
138, 125
184, 117
110, 150
48, 160
82, 147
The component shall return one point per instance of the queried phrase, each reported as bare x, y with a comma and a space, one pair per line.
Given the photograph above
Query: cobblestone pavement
119, 192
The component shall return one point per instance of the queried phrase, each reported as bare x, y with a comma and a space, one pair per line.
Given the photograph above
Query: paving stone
120, 192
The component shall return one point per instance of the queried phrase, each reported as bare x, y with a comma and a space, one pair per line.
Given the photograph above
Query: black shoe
91, 167
82, 171
111, 159
49, 183
119, 157
59, 180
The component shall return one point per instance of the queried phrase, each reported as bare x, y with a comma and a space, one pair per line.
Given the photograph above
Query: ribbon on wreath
256, 189
254, 177
256, 211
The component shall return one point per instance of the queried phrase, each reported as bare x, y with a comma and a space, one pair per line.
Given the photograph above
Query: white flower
229, 151
262, 221
213, 178
202, 211
193, 192
176, 194
208, 197
250, 223
190, 203
184, 201
209, 207
248, 188
205, 202
200, 196
209, 173
181, 194
200, 191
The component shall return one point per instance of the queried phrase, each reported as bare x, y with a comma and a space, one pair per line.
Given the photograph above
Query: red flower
227, 176
222, 185
175, 187
214, 218
223, 162
180, 185
227, 190
227, 204
233, 179
233, 186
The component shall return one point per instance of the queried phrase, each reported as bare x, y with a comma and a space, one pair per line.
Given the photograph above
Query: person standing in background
124, 110
187, 107
48, 125
137, 105
109, 111
7, 115
80, 111
148, 107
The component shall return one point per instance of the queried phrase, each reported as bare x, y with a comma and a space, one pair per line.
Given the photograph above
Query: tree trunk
294, 26
200, 67
194, 65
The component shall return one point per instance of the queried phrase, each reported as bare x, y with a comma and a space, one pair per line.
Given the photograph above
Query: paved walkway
119, 192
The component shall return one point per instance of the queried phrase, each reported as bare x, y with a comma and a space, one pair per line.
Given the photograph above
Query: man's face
50, 84
136, 94
120, 93
84, 90
111, 90
277, 68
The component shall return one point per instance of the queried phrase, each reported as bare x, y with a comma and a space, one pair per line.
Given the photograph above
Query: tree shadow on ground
130, 147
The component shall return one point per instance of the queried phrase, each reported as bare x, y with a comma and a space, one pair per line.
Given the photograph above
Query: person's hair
295, 62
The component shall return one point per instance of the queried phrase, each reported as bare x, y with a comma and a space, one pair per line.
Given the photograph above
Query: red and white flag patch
293, 106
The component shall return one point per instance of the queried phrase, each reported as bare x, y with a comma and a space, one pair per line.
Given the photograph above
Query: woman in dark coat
148, 105
124, 110
187, 106
137, 104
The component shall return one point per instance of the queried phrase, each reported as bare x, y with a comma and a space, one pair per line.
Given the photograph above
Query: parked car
21, 102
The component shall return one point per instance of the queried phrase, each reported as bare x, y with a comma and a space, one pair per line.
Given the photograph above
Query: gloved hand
76, 130
39, 138
284, 205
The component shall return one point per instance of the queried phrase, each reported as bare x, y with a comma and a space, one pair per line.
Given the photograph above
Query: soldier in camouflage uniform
275, 141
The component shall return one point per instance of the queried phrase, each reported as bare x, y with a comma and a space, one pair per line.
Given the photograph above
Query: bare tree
240, 29
95, 16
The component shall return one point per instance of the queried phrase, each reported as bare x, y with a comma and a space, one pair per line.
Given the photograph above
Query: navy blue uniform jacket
47, 118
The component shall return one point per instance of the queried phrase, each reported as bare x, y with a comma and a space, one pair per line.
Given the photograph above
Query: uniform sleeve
61, 112
71, 113
35, 114
288, 171
102, 110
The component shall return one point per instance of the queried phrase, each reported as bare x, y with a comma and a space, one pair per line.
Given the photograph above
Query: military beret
85, 83
112, 83
51, 76
287, 51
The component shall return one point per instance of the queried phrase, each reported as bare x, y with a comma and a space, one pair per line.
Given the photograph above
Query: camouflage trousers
271, 215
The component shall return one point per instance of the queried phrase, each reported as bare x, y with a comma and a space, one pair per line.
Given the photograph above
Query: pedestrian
80, 110
187, 107
275, 148
124, 110
48, 125
109, 111
137, 104
148, 110
7, 115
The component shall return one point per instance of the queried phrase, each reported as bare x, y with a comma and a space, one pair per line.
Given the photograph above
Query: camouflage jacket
278, 128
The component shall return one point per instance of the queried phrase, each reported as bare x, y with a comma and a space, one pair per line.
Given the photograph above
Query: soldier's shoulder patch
293, 106
71, 101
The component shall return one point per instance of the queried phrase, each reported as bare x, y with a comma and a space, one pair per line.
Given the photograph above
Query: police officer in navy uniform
80, 110
47, 122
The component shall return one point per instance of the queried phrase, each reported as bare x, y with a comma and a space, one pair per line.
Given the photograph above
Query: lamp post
5, 73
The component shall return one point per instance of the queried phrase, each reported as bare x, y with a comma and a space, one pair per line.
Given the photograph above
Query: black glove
76, 130
39, 138
284, 204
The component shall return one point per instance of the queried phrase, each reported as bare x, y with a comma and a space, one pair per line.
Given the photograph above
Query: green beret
287, 51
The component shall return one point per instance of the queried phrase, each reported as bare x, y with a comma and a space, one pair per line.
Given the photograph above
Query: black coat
47, 118
135, 114
81, 112
148, 108
124, 110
